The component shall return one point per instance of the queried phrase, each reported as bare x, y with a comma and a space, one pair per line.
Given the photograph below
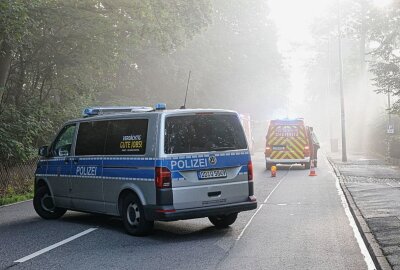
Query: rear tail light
250, 171
306, 151
267, 151
163, 177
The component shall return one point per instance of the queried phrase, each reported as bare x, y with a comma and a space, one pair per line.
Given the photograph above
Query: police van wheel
44, 204
223, 221
307, 165
133, 217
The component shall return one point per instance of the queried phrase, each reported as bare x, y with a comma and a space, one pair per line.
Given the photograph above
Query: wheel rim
47, 203
133, 214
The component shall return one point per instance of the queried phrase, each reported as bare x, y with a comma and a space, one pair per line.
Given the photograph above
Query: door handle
66, 160
214, 194
75, 161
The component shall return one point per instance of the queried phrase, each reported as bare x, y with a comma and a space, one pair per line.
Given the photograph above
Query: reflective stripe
141, 169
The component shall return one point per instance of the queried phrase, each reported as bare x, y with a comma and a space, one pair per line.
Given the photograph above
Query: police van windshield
203, 133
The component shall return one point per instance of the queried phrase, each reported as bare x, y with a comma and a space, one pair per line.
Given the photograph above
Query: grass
15, 198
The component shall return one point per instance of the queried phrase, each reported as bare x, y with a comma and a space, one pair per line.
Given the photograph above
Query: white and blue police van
146, 164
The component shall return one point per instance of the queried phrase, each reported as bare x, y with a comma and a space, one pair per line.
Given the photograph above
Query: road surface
301, 223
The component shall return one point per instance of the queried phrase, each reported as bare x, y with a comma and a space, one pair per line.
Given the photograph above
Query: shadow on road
164, 231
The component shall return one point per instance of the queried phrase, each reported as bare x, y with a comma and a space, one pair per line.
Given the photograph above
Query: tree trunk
5, 61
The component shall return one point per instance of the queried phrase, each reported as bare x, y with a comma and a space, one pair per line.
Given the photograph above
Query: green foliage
69, 54
15, 198
384, 33
66, 54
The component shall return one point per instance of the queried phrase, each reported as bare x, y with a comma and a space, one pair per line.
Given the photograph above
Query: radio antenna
187, 89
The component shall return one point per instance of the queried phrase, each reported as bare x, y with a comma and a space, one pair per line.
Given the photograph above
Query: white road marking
40, 252
364, 251
258, 210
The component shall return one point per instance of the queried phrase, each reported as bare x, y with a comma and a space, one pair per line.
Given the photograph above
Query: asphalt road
301, 225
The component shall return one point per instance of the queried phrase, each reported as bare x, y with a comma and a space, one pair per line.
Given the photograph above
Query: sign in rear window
286, 131
127, 137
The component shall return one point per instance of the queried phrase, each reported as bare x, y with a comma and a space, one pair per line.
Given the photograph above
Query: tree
384, 34
58, 56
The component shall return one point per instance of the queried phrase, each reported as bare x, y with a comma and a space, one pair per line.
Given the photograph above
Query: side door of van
87, 167
129, 162
59, 166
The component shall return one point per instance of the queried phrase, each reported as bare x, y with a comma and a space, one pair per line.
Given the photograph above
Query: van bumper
168, 213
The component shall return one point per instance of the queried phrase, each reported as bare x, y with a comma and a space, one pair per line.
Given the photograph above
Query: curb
372, 245
5, 205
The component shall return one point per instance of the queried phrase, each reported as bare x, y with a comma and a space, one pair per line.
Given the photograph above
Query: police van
145, 164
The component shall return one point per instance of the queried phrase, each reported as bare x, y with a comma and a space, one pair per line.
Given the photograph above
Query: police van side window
127, 137
91, 138
63, 143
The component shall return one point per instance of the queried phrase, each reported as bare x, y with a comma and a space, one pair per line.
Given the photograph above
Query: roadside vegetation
58, 57
371, 72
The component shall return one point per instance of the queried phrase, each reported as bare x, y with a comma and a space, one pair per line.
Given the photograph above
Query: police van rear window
203, 133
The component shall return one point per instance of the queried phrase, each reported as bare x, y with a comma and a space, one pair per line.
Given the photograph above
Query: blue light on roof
90, 112
93, 111
161, 106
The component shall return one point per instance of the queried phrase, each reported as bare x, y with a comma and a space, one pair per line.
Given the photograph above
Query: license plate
278, 147
212, 174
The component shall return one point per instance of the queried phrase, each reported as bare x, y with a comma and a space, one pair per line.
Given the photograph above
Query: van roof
117, 115
298, 121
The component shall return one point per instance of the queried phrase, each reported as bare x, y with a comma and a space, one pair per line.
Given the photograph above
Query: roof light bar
161, 106
93, 111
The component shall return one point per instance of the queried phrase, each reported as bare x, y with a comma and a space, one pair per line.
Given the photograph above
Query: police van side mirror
44, 151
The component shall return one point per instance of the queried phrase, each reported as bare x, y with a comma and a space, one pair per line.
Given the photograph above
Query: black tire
44, 204
307, 165
268, 166
223, 221
133, 216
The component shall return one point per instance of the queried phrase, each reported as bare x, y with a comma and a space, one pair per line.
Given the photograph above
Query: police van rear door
207, 155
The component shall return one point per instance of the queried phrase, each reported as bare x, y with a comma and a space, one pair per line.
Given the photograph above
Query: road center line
258, 210
40, 252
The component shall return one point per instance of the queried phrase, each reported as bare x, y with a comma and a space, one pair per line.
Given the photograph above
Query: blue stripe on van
202, 163
143, 168
129, 173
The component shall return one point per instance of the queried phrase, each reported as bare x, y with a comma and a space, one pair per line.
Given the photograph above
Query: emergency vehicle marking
142, 169
292, 137
86, 171
189, 163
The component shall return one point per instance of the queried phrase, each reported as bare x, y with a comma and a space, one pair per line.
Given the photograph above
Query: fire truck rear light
268, 151
306, 150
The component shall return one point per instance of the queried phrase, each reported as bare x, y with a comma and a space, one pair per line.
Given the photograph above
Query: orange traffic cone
273, 171
312, 169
